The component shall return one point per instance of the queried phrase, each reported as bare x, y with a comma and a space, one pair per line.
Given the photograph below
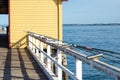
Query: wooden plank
17, 64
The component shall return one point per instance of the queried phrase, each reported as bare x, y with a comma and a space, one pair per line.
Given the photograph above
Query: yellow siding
39, 16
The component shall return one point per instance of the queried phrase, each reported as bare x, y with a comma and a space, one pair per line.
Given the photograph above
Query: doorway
4, 22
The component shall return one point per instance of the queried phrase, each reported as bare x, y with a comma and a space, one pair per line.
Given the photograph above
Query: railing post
59, 60
79, 69
48, 60
41, 54
37, 45
33, 44
29, 41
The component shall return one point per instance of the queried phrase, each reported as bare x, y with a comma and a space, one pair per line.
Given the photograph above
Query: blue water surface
102, 37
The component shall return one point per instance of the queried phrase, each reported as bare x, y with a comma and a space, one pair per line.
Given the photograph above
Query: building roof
3, 6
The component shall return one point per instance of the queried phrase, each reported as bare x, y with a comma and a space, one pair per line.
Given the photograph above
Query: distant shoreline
102, 24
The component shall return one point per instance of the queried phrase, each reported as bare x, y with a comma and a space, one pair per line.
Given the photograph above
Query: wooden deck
17, 64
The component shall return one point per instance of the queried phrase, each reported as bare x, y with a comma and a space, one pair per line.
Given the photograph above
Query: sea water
102, 37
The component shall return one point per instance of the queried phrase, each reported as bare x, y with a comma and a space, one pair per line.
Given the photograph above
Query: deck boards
17, 64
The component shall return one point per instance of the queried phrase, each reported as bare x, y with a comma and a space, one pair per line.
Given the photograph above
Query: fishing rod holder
36, 44
95, 57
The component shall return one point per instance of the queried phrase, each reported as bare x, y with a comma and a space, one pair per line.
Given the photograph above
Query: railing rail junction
36, 47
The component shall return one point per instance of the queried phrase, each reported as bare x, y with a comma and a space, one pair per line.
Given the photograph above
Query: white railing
37, 44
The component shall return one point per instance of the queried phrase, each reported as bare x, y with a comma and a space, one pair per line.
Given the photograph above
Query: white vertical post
48, 60
29, 41
79, 69
58, 70
41, 48
33, 39
37, 45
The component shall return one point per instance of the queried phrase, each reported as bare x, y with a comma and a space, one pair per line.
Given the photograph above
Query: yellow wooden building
39, 16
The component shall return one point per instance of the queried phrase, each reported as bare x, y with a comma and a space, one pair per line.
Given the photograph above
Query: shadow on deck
17, 64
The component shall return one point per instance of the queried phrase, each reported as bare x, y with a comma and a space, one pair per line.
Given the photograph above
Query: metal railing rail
94, 61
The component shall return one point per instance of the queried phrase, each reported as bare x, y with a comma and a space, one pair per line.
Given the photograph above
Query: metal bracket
95, 57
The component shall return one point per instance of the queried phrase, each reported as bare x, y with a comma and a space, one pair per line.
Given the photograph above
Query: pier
34, 62
32, 48
17, 64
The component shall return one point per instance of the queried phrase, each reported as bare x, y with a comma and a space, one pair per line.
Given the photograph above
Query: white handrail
93, 60
67, 71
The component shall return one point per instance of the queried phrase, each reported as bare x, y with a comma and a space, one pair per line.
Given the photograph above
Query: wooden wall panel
39, 16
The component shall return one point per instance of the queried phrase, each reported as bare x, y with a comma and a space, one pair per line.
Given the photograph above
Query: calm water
103, 37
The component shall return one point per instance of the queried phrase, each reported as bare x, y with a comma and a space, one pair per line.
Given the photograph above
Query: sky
86, 12
91, 11
4, 19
